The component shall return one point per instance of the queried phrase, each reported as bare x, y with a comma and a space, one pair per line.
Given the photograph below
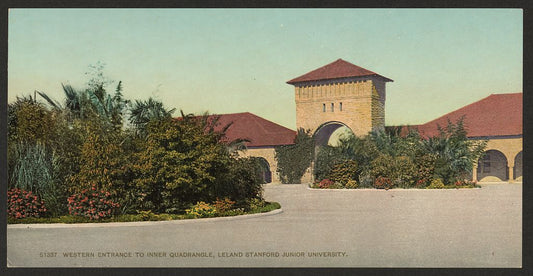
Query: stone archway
266, 173
493, 167
323, 133
518, 167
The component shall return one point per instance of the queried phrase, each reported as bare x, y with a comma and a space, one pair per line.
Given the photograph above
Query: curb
139, 223
394, 189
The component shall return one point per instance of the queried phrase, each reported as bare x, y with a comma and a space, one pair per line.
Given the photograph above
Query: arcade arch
493, 167
266, 173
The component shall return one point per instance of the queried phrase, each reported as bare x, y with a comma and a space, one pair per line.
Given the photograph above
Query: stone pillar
474, 173
511, 174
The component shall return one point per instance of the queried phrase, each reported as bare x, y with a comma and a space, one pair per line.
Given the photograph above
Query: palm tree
143, 112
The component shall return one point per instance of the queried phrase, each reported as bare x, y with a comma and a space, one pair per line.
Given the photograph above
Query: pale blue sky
236, 60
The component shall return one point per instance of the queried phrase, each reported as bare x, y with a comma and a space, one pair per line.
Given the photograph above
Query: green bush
436, 184
344, 171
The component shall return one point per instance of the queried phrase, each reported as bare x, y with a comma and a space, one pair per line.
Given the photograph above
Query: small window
340, 106
323, 107
332, 107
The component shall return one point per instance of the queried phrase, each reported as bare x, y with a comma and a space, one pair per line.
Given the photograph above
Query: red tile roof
259, 131
335, 70
495, 115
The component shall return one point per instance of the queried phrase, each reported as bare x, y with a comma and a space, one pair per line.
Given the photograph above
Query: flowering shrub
201, 210
23, 204
325, 184
421, 183
382, 183
91, 203
464, 183
223, 205
351, 184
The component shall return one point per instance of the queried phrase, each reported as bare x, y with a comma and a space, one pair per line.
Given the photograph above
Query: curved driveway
325, 228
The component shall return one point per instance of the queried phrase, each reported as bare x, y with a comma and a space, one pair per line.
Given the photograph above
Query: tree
143, 112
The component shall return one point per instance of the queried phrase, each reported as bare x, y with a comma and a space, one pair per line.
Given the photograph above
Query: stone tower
338, 94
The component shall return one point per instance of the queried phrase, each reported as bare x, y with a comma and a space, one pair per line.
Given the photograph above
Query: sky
238, 60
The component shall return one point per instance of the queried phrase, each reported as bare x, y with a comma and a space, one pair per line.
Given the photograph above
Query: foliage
406, 160
156, 164
455, 154
351, 184
143, 112
436, 184
401, 170
294, 160
327, 157
92, 203
24, 204
140, 216
223, 205
344, 172
382, 183
185, 161
242, 182
202, 210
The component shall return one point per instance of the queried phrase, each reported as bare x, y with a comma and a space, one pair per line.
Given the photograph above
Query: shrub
382, 183
91, 203
201, 210
351, 184
344, 171
436, 184
223, 205
325, 184
366, 180
24, 204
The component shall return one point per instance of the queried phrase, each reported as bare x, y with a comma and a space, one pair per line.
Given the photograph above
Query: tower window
340, 106
332, 107
324, 107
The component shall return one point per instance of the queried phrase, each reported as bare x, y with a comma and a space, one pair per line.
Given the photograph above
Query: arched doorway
329, 130
518, 167
266, 174
492, 167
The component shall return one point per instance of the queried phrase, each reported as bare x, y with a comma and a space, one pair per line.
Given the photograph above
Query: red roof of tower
335, 70
259, 131
495, 115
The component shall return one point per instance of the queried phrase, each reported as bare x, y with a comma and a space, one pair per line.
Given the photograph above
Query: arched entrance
492, 167
518, 167
327, 130
266, 174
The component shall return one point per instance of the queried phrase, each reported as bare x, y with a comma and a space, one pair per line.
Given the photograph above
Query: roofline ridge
465, 106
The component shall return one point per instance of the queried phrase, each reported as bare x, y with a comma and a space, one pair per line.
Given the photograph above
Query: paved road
335, 228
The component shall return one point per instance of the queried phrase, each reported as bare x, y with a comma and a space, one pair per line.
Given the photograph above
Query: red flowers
91, 203
382, 183
325, 184
23, 204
